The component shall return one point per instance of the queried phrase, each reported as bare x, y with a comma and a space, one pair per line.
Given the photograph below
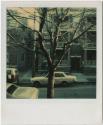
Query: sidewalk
83, 78
80, 77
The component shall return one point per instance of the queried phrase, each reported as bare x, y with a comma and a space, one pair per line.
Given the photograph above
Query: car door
59, 78
43, 79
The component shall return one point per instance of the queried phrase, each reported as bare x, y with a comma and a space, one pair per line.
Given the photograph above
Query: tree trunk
50, 88
33, 64
36, 60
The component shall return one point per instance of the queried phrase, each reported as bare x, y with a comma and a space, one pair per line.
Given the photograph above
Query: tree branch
82, 33
40, 39
23, 24
19, 44
59, 21
81, 18
50, 34
68, 44
37, 16
39, 35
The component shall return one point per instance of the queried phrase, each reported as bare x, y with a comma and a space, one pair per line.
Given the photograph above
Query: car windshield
57, 75
11, 89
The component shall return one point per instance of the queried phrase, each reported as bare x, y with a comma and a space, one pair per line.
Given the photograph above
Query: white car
59, 77
17, 92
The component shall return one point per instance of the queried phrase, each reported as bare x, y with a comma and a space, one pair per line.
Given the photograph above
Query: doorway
75, 63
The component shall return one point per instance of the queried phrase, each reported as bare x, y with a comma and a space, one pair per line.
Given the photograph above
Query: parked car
17, 92
12, 75
59, 77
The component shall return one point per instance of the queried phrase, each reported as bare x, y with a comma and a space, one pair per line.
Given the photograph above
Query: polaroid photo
51, 62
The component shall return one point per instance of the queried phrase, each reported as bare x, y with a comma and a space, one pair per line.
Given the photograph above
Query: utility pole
35, 57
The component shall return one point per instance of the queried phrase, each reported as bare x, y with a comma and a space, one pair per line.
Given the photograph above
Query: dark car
12, 75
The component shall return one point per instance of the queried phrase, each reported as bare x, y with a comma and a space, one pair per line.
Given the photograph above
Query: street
81, 91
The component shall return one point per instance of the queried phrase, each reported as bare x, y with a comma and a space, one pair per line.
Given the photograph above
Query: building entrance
75, 63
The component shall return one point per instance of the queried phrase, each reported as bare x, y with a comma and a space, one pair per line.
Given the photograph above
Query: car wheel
64, 83
36, 84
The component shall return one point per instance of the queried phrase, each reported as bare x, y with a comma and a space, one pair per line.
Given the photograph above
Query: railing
60, 44
91, 62
90, 45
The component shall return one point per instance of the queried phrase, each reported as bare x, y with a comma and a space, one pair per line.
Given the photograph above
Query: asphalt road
82, 91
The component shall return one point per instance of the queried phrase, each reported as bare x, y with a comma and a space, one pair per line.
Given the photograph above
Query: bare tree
51, 21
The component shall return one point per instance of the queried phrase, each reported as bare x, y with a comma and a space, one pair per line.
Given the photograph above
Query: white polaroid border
52, 111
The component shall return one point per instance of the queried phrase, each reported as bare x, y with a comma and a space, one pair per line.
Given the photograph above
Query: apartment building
90, 46
17, 55
82, 54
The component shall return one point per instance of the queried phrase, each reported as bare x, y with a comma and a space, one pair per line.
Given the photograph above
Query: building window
91, 57
91, 19
23, 57
13, 59
65, 35
91, 35
66, 18
59, 52
7, 58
